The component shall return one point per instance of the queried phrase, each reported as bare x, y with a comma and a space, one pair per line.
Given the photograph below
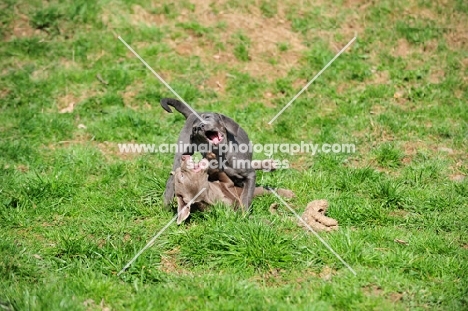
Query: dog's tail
178, 105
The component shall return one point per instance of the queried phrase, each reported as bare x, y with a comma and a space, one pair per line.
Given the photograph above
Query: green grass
73, 211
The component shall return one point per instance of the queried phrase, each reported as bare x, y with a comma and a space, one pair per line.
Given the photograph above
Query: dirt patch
378, 134
40, 74
111, 150
377, 109
66, 63
141, 16
464, 63
128, 95
66, 103
380, 77
327, 273
457, 177
264, 36
21, 28
430, 46
217, 82
4, 93
411, 149
400, 99
419, 12
417, 53
22, 168
357, 4
402, 48
169, 262
436, 76
273, 276
267, 99
377, 291
131, 92
395, 297
301, 162
398, 213
342, 88
189, 47
212, 30
457, 38
89, 304
373, 290
278, 277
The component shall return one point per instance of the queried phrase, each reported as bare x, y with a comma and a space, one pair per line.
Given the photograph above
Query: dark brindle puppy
215, 131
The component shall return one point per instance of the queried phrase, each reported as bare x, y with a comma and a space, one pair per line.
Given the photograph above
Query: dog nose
201, 126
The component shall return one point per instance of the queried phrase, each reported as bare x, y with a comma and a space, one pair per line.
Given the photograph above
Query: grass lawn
74, 210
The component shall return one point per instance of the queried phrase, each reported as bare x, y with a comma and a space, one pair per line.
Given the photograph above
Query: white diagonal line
151, 242
313, 79
160, 78
313, 231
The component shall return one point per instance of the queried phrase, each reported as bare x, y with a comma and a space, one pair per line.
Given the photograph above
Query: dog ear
183, 212
229, 124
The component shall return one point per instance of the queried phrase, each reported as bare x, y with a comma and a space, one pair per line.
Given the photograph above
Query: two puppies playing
226, 181
199, 185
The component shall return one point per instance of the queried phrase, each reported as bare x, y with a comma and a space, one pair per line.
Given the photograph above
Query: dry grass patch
375, 290
217, 82
266, 60
67, 103
140, 15
110, 150
169, 262
380, 77
4, 93
273, 48
128, 96
436, 76
403, 49
457, 38
21, 28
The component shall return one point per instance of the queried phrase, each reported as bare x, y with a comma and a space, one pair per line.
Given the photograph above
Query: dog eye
206, 117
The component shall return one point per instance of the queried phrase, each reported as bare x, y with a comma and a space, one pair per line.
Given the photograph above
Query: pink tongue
216, 139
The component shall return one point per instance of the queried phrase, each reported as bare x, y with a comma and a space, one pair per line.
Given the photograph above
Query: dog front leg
248, 191
183, 142
169, 192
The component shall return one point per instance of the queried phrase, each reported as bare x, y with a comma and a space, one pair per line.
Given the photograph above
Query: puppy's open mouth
214, 136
